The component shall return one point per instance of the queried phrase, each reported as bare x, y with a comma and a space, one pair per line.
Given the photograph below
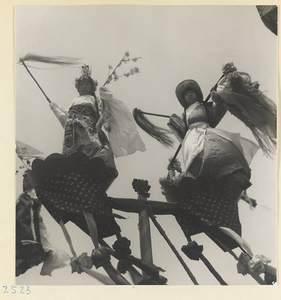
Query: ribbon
192, 250
257, 264
100, 256
82, 261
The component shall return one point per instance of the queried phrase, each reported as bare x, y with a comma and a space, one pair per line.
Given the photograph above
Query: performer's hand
178, 123
53, 105
228, 68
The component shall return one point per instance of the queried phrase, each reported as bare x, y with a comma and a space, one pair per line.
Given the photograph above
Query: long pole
153, 114
162, 232
35, 80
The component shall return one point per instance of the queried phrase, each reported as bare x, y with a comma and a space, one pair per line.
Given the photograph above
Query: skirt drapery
69, 186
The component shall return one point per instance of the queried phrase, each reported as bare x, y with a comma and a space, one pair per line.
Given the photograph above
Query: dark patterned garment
206, 204
81, 135
214, 202
70, 186
74, 193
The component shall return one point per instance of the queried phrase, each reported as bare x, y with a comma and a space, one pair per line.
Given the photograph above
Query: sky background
175, 43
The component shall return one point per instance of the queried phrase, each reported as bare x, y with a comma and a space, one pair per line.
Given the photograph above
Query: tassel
58, 60
266, 143
158, 133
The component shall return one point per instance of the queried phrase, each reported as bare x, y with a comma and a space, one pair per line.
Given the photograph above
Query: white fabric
123, 136
192, 145
189, 110
193, 142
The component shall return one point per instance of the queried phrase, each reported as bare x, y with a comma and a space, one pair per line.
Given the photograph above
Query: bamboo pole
136, 205
35, 81
102, 278
114, 274
212, 270
145, 236
152, 114
162, 232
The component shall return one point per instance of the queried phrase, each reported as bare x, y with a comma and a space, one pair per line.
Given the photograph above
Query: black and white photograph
145, 145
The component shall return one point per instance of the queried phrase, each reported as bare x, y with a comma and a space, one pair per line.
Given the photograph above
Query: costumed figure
29, 249
75, 183
216, 162
32, 244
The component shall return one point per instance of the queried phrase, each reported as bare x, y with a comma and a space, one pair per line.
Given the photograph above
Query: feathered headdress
86, 71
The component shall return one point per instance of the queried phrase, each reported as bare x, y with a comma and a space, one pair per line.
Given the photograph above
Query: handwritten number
28, 290
24, 290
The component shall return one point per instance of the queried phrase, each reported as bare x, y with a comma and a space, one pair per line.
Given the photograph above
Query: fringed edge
266, 143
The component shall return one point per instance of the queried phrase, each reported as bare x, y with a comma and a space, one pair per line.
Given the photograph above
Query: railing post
142, 188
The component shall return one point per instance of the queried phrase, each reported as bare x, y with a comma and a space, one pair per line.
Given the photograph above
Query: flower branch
112, 71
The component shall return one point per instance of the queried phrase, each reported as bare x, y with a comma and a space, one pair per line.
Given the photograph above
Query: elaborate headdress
86, 74
185, 85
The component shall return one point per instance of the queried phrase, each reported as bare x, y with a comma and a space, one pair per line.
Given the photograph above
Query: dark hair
92, 82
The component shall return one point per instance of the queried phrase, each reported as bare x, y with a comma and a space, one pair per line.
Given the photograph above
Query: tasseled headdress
86, 74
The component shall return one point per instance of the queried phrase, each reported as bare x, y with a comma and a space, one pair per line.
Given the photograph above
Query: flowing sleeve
123, 134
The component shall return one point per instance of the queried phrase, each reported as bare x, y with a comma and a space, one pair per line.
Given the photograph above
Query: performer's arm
59, 113
217, 111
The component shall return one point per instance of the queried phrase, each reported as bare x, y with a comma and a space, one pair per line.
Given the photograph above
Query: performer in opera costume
76, 181
216, 162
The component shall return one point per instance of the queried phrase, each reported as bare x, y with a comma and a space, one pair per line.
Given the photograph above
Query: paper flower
113, 76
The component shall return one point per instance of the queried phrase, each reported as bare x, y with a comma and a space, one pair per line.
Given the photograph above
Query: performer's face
84, 87
190, 97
